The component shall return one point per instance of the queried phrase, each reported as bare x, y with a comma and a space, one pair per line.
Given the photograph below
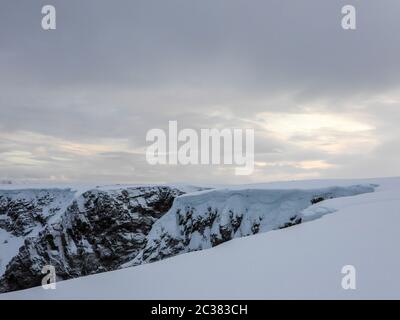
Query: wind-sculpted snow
206, 219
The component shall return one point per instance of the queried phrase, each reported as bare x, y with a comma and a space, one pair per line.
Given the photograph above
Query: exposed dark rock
293, 221
316, 200
23, 210
98, 232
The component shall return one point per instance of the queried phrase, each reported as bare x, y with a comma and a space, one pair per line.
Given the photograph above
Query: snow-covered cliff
104, 229
78, 233
205, 219
301, 262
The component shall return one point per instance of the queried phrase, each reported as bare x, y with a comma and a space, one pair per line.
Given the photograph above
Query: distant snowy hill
292, 252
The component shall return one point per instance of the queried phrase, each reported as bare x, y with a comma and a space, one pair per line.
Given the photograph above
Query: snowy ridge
206, 219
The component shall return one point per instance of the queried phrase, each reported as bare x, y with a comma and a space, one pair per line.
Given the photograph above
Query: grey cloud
115, 69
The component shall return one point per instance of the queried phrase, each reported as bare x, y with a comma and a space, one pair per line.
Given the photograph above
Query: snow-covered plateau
279, 240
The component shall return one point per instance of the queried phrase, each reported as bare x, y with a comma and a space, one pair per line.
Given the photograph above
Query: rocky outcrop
21, 211
99, 230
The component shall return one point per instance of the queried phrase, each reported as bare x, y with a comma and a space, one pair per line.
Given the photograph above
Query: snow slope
303, 261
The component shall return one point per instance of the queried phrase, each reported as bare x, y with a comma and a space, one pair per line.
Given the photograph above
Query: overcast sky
76, 102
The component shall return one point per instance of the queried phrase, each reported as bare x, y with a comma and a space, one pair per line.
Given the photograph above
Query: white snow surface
299, 262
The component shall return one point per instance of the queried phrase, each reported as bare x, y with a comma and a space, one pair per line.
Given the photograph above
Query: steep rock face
206, 219
99, 230
21, 211
24, 213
